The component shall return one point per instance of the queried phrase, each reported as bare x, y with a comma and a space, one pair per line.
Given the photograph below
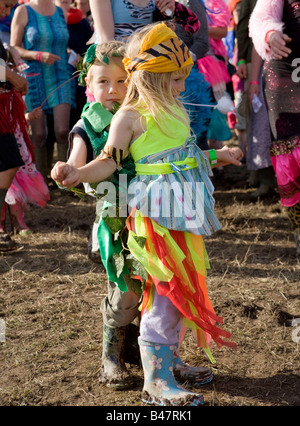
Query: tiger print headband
161, 51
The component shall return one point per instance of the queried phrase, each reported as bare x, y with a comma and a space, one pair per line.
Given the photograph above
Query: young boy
104, 75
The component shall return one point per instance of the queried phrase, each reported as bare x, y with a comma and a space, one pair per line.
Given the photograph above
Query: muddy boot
266, 178
132, 350
7, 244
190, 376
114, 373
160, 386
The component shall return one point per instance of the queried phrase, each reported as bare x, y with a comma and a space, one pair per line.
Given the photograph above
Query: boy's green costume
112, 237
111, 229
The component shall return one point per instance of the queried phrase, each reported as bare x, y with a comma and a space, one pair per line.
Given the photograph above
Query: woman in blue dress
40, 34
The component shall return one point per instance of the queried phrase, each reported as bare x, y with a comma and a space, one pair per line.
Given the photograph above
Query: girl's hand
65, 174
49, 58
277, 43
163, 5
227, 156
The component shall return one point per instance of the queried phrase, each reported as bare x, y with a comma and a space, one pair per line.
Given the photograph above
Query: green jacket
244, 42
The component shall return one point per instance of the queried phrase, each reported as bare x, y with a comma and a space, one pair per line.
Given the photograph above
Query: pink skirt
28, 188
285, 156
214, 70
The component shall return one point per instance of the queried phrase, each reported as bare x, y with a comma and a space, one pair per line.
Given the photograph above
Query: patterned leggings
294, 216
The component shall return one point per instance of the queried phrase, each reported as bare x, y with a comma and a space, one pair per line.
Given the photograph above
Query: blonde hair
105, 53
149, 90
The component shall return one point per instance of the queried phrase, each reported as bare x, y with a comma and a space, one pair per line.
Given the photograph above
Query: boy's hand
227, 156
65, 174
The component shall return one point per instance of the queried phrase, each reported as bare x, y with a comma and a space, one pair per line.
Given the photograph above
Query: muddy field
51, 293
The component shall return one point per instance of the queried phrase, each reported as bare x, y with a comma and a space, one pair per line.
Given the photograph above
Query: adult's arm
242, 31
200, 45
199, 41
266, 16
18, 25
103, 19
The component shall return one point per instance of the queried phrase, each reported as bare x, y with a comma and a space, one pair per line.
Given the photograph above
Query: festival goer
171, 248
214, 67
28, 185
80, 33
5, 24
274, 28
198, 90
244, 42
84, 7
257, 123
239, 122
12, 86
40, 34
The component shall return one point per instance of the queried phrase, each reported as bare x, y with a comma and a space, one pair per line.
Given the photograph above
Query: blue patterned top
47, 34
128, 17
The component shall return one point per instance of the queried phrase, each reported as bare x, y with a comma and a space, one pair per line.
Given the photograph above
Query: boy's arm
78, 154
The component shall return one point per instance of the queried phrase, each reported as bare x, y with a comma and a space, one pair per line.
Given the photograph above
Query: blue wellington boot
160, 386
188, 375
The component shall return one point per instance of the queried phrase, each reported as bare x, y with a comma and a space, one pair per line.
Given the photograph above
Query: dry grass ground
51, 293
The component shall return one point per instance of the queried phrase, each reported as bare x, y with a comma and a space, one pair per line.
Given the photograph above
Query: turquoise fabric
47, 34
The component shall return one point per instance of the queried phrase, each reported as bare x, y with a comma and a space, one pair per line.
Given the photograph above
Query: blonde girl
171, 207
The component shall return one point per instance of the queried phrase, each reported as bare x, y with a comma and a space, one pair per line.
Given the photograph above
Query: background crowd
46, 40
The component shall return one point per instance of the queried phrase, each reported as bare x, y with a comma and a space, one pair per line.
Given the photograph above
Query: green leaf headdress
91, 55
84, 64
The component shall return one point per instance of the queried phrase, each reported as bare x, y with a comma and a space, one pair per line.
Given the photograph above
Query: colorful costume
47, 34
28, 186
168, 171
282, 92
165, 235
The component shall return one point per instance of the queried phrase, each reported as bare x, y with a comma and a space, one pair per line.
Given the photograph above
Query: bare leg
6, 178
38, 138
61, 128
